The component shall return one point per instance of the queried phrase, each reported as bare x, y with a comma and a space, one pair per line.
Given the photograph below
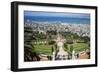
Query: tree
29, 52
52, 42
66, 46
71, 48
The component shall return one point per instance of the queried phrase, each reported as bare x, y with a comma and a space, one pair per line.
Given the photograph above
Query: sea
70, 20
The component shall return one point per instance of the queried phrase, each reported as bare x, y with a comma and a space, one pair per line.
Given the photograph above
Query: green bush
52, 42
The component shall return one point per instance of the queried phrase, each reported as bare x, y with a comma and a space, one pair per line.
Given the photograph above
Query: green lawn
46, 49
43, 49
80, 46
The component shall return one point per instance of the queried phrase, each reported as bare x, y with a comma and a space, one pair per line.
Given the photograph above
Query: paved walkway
84, 55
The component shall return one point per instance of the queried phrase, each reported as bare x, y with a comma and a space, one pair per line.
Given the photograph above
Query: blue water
70, 20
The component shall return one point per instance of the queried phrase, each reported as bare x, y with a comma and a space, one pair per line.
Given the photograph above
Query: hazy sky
57, 14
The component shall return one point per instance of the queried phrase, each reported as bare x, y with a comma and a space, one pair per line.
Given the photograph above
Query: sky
53, 14
57, 16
